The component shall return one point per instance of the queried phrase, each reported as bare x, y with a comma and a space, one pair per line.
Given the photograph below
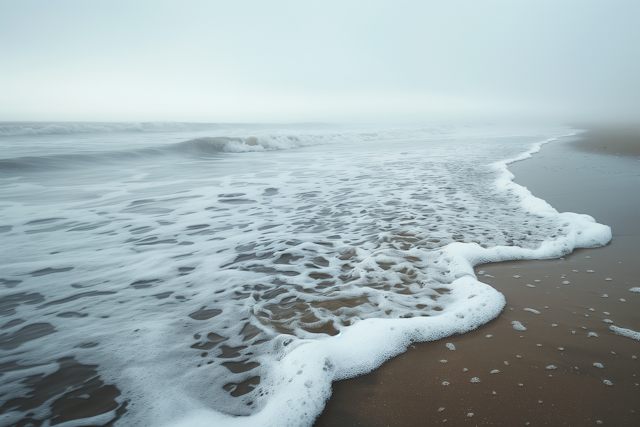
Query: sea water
182, 274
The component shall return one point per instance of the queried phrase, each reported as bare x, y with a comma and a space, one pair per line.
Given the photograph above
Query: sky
319, 61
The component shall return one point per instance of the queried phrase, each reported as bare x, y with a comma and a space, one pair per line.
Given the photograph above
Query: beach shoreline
546, 373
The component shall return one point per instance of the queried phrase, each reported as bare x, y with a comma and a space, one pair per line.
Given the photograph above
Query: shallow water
196, 273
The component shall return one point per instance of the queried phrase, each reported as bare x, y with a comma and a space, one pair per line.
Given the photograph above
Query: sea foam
233, 291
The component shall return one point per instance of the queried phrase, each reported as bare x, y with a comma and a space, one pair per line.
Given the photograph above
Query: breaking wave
206, 146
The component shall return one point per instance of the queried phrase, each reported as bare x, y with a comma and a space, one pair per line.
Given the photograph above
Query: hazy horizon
329, 62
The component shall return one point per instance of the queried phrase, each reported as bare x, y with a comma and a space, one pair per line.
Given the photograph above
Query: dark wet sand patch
623, 140
408, 390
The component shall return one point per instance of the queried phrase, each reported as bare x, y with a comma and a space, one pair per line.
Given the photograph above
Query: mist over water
197, 274
286, 62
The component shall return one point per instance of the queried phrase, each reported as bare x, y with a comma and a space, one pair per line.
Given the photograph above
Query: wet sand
625, 140
546, 373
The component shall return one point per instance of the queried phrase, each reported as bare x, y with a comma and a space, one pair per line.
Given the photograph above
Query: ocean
203, 274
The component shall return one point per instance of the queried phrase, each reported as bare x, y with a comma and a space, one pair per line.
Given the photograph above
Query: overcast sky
319, 61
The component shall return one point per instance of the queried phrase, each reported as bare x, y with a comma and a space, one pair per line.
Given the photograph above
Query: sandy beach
568, 368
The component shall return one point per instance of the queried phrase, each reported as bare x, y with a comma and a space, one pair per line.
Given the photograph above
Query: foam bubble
450, 346
518, 326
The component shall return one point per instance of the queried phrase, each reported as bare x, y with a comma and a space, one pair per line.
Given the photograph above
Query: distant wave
13, 129
287, 141
205, 146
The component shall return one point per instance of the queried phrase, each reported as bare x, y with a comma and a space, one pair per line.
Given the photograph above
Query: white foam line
629, 333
